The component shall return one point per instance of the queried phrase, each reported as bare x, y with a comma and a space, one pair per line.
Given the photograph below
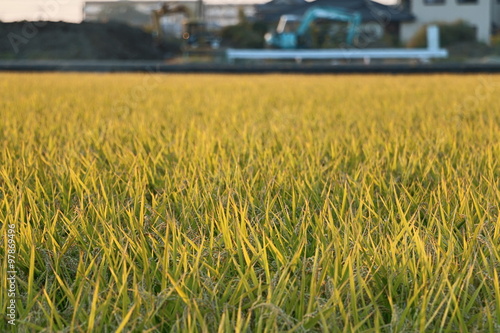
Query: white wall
478, 14
226, 14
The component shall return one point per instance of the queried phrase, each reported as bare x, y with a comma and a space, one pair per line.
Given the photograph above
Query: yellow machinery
195, 33
166, 9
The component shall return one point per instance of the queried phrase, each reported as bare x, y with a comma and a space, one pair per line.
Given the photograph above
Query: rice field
211, 203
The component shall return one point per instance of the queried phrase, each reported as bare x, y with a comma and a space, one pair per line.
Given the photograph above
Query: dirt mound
84, 41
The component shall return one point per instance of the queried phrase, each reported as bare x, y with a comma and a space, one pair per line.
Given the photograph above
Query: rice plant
211, 203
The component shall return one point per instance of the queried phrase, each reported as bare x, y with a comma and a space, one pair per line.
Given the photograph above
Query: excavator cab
285, 36
288, 23
197, 35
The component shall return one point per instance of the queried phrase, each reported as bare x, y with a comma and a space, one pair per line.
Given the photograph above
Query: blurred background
202, 31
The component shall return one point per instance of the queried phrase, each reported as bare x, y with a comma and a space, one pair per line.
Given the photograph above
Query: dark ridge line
157, 67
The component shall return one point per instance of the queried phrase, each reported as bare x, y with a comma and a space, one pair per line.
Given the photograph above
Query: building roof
370, 11
272, 10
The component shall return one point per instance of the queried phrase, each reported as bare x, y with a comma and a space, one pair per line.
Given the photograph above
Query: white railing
432, 51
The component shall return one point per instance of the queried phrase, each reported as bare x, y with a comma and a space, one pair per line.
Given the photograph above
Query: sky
67, 10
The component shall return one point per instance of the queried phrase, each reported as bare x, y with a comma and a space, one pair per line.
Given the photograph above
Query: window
434, 2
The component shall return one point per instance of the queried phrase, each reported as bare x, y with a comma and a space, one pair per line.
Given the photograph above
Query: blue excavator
292, 28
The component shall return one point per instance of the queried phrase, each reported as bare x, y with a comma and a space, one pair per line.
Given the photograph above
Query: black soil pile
69, 41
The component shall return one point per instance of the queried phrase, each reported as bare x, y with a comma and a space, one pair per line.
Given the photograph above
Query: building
484, 15
271, 11
222, 15
138, 13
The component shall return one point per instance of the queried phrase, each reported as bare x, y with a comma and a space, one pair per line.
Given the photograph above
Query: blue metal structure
286, 39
